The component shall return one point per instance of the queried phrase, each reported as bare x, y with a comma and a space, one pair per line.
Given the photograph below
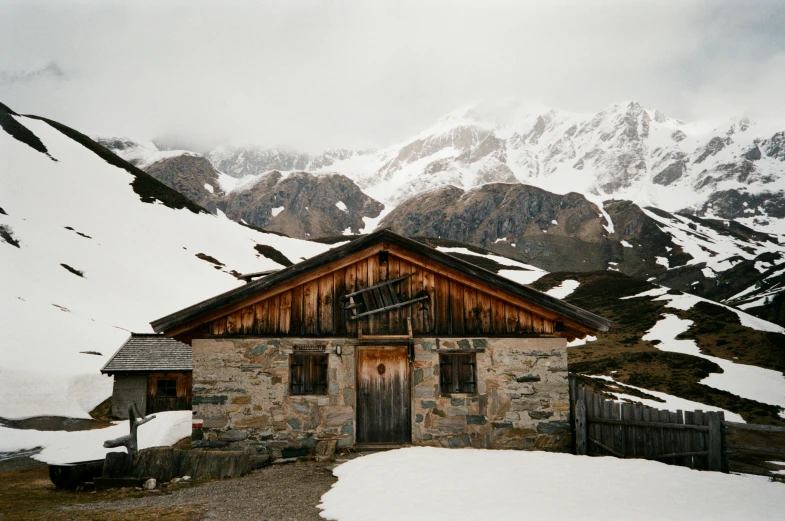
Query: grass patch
75, 271
273, 254
7, 234
29, 495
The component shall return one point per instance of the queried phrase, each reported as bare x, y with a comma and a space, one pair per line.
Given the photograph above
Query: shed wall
129, 389
242, 392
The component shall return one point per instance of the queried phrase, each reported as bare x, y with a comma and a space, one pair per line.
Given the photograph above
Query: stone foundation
241, 391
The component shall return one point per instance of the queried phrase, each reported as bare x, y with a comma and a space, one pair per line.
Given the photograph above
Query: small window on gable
166, 389
457, 373
308, 374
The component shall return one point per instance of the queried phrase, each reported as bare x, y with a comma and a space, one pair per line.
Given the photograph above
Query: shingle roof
144, 352
189, 314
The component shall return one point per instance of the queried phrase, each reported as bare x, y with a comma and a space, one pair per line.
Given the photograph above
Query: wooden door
383, 403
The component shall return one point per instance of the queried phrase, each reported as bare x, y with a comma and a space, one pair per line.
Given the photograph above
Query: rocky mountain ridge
298, 204
729, 170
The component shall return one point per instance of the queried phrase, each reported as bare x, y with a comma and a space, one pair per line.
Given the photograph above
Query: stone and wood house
153, 372
381, 341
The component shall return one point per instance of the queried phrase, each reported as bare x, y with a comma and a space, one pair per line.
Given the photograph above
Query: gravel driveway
275, 493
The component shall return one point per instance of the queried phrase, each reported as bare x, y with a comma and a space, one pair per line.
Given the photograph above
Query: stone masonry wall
241, 391
522, 399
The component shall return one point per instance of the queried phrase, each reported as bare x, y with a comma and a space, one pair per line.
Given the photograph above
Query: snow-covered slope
83, 261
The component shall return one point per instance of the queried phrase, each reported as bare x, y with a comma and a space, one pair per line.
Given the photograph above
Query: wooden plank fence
603, 427
694, 439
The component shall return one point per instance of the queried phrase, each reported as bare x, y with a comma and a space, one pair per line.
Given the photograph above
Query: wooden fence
607, 428
695, 439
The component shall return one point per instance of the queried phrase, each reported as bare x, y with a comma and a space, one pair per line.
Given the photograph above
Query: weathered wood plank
362, 283
297, 319
699, 442
274, 314
714, 445
580, 429
394, 316
339, 290
311, 307
325, 304
442, 308
404, 289
689, 419
484, 308
247, 320
233, 323
416, 287
456, 308
350, 283
285, 316
470, 315
261, 317
428, 283
218, 326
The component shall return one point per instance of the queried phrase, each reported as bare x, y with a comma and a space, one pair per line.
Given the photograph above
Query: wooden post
580, 428
715, 441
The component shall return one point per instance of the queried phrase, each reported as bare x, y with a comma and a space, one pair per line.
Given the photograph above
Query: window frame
309, 380
467, 378
171, 385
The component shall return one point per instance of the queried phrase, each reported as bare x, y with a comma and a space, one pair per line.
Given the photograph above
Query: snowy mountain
92, 248
730, 170
298, 204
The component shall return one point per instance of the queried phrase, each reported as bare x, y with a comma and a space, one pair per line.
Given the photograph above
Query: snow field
434, 484
72, 447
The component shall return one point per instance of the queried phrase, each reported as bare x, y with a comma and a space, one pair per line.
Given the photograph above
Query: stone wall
522, 399
241, 391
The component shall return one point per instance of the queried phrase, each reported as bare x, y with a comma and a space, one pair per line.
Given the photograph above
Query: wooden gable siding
315, 307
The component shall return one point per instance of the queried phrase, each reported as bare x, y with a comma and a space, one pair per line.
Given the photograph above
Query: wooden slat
442, 305
404, 288
218, 326
607, 429
298, 323
484, 308
326, 303
456, 308
233, 323
470, 318
361, 281
285, 315
641, 423
261, 317
689, 419
416, 288
699, 441
497, 315
339, 314
714, 442
428, 282
400, 305
648, 446
274, 314
373, 321
350, 283
526, 321
247, 320
311, 308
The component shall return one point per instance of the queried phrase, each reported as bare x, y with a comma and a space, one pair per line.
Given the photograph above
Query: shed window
308, 374
457, 373
166, 389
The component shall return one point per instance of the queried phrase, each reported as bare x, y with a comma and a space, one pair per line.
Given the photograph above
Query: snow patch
276, 211
564, 289
626, 244
209, 188
341, 206
534, 483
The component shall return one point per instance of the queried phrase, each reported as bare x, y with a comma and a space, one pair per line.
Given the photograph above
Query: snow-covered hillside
84, 261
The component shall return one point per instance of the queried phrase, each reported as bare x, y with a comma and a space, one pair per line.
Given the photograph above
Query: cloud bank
314, 75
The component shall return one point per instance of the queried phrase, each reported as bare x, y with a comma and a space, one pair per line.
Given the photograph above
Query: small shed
152, 371
381, 341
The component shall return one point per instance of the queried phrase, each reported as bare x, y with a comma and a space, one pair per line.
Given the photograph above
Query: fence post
724, 464
715, 441
580, 428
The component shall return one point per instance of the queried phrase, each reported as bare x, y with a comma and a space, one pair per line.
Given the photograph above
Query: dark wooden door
383, 403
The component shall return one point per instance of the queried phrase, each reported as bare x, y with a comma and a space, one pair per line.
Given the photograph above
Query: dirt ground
275, 493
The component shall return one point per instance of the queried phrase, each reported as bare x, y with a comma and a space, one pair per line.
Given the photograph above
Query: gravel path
275, 493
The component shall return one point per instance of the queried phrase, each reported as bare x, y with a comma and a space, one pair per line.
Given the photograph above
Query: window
308, 374
457, 373
166, 389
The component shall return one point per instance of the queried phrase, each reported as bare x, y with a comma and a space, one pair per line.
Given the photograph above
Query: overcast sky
314, 75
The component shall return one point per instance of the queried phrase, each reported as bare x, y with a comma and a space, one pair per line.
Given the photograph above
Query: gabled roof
193, 313
146, 352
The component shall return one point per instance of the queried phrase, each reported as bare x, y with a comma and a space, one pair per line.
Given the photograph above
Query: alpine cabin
381, 341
